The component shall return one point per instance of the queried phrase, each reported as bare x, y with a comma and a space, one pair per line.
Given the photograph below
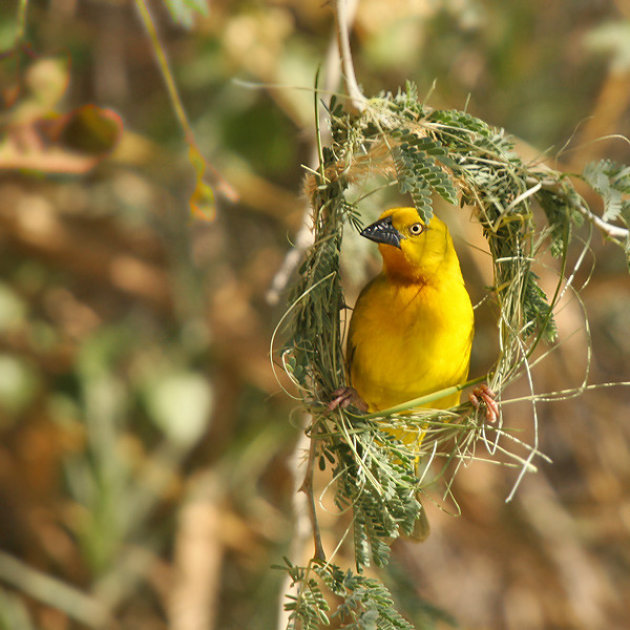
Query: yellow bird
412, 327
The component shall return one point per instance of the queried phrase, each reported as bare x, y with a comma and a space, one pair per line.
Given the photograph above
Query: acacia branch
615, 232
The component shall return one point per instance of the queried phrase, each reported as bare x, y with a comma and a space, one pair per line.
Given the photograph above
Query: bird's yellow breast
407, 340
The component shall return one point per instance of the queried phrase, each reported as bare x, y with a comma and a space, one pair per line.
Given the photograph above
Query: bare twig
307, 488
613, 231
302, 524
344, 15
303, 240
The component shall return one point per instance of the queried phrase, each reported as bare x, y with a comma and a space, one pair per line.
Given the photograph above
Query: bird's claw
486, 395
346, 396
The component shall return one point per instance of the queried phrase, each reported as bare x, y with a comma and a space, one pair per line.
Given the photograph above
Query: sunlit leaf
202, 199
180, 404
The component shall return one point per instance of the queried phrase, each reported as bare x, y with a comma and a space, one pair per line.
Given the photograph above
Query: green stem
167, 74
423, 400
318, 137
21, 21
176, 101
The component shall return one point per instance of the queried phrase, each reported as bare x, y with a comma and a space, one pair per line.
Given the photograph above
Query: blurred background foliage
144, 459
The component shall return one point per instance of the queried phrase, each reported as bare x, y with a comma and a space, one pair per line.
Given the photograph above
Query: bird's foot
346, 396
485, 394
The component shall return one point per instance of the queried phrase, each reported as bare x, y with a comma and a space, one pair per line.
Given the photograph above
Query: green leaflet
365, 603
538, 314
380, 490
419, 174
612, 181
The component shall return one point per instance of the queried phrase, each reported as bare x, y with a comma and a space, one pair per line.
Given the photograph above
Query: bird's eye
416, 228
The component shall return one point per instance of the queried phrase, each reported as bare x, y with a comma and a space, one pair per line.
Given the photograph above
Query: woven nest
460, 158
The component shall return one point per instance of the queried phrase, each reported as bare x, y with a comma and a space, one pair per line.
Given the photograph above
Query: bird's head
410, 248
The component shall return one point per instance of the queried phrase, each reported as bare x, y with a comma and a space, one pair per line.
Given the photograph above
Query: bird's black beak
383, 231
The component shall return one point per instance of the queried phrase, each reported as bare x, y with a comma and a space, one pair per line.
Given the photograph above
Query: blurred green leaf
18, 384
13, 613
12, 308
180, 404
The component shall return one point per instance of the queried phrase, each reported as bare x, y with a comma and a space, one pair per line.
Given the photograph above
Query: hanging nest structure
427, 152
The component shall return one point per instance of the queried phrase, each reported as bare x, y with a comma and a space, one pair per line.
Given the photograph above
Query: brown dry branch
199, 550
